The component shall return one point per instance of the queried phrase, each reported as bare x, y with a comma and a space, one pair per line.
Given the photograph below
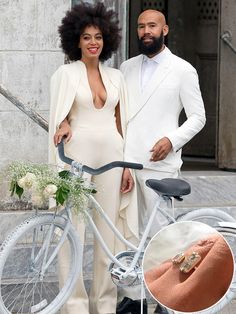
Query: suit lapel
158, 76
134, 85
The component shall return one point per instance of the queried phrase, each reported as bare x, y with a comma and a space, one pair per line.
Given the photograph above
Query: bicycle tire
210, 216
28, 292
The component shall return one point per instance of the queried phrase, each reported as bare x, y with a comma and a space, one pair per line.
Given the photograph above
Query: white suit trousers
146, 201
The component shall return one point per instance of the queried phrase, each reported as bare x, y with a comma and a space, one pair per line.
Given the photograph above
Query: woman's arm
63, 130
118, 119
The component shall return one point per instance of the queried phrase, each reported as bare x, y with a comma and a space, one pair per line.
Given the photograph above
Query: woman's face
91, 42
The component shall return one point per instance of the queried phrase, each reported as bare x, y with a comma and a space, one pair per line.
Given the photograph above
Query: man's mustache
147, 37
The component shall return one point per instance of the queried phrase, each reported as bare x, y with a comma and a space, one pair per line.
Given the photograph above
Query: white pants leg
147, 199
79, 298
103, 293
146, 202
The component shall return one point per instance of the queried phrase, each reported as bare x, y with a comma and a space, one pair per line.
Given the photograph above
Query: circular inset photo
188, 267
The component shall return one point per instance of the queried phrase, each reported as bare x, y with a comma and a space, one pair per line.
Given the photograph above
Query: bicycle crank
125, 276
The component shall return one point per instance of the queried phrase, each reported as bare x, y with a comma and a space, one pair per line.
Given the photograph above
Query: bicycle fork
44, 250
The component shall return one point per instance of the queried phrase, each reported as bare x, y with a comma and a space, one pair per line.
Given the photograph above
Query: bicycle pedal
117, 273
120, 274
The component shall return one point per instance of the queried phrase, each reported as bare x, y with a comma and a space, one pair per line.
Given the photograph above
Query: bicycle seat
170, 187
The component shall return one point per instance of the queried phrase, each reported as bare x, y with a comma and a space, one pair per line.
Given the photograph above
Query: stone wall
29, 54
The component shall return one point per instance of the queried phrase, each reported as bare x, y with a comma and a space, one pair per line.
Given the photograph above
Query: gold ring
190, 262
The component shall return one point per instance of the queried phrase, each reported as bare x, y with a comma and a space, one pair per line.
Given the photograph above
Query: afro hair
83, 15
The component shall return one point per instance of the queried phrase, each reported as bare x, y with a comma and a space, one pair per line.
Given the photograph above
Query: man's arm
191, 98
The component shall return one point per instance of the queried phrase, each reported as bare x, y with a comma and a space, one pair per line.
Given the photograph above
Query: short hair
83, 15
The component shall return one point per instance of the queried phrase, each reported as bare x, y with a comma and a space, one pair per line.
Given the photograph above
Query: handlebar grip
132, 165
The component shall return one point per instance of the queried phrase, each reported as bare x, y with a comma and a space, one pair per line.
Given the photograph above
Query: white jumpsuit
95, 142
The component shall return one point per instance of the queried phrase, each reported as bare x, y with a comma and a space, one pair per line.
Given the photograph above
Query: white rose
50, 190
27, 181
36, 199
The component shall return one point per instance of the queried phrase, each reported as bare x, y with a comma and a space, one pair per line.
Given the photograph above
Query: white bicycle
29, 255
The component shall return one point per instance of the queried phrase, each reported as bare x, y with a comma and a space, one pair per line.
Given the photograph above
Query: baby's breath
42, 181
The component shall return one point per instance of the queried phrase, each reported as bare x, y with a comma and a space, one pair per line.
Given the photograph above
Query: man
160, 85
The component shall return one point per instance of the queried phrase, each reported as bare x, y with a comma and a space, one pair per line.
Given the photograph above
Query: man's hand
64, 130
161, 149
127, 181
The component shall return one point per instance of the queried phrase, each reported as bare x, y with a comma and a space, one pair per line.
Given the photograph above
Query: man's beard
151, 48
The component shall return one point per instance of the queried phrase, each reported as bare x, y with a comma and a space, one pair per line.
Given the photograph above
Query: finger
154, 156
68, 137
59, 139
126, 190
123, 185
56, 140
130, 185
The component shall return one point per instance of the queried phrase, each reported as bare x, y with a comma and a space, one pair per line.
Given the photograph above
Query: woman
88, 108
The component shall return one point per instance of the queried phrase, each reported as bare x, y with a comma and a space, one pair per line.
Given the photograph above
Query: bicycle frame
138, 249
67, 211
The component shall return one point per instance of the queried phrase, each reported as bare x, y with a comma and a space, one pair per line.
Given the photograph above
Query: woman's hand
127, 181
64, 130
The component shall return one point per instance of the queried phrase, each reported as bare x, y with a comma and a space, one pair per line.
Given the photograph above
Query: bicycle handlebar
97, 171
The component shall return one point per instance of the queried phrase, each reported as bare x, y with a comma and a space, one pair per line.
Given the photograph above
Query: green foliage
15, 188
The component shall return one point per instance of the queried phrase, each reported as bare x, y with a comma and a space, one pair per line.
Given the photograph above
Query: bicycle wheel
27, 286
209, 216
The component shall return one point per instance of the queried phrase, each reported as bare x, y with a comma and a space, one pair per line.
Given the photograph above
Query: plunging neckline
103, 82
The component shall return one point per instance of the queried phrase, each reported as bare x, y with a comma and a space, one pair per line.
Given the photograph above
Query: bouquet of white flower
42, 182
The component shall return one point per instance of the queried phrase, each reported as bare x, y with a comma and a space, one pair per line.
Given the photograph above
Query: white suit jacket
154, 113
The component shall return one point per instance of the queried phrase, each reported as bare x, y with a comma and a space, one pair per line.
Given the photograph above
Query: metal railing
227, 38
31, 113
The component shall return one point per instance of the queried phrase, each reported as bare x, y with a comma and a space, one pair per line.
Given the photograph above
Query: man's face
151, 31
153, 47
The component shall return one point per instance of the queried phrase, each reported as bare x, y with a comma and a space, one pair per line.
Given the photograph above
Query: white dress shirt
149, 66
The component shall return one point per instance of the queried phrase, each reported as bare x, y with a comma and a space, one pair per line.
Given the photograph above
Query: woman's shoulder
67, 71
68, 67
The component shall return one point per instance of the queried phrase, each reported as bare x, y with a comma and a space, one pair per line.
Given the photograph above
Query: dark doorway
193, 36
